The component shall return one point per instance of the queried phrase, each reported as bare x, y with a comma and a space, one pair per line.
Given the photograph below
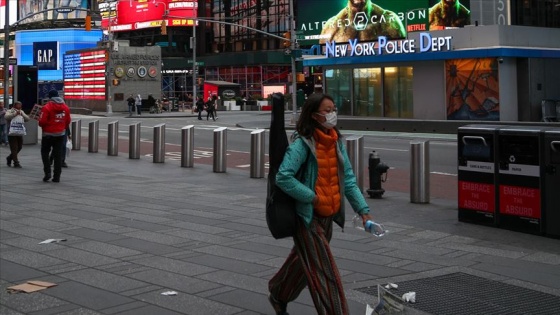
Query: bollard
159, 143
220, 147
113, 138
187, 146
420, 171
355, 148
134, 141
93, 136
76, 132
257, 153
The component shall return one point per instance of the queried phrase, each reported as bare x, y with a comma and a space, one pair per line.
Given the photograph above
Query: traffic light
88, 23
163, 27
287, 40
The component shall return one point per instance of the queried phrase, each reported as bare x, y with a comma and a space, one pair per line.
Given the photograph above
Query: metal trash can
551, 182
520, 154
477, 170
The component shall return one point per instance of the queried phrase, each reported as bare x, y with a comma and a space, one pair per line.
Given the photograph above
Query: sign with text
520, 201
341, 21
477, 196
45, 55
384, 46
141, 14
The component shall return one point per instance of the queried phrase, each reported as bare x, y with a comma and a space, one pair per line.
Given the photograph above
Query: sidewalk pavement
134, 229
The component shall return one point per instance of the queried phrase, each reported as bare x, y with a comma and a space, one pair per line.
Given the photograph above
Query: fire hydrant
376, 171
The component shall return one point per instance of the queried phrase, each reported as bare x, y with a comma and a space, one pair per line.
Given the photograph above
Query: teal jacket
304, 192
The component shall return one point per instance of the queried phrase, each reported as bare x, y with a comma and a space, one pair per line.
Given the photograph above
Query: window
338, 86
368, 98
397, 92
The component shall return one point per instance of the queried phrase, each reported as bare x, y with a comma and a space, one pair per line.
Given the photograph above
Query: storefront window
368, 98
397, 97
338, 82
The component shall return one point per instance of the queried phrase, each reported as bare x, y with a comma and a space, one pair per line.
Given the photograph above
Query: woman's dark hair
306, 125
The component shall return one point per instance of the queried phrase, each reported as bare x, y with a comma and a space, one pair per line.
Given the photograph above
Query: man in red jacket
54, 119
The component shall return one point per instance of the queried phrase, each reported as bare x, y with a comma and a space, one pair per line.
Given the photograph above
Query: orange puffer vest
326, 187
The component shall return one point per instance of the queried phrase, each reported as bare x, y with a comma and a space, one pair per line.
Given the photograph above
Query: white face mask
330, 120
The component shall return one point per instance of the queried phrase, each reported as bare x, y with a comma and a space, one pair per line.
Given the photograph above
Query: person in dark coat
199, 106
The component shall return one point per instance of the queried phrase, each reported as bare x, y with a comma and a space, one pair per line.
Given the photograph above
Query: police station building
493, 72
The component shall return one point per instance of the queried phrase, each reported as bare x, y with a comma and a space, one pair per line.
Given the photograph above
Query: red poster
477, 196
520, 201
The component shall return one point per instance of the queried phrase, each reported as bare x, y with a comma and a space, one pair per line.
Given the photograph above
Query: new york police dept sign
352, 48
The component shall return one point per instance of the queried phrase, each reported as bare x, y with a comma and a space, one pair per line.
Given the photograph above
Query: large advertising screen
365, 20
84, 75
30, 10
132, 15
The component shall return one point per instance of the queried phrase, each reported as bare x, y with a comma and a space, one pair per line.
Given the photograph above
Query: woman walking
327, 179
15, 141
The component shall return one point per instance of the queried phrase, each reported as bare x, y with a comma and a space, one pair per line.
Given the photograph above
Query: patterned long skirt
311, 263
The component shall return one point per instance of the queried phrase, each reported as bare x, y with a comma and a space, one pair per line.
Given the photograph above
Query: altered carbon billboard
365, 20
141, 14
30, 10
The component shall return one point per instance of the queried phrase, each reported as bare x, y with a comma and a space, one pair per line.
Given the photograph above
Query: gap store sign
353, 48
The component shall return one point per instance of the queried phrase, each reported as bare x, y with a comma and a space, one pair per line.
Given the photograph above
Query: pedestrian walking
3, 125
210, 109
55, 119
130, 102
15, 140
138, 104
327, 179
199, 106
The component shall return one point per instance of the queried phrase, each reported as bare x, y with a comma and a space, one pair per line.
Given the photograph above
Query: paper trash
169, 293
30, 286
391, 286
409, 297
53, 240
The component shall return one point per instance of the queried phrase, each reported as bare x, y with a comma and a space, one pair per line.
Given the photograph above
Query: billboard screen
28, 10
133, 15
365, 20
84, 75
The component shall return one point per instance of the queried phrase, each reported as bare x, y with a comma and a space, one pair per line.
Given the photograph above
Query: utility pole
109, 107
293, 61
195, 74
7, 55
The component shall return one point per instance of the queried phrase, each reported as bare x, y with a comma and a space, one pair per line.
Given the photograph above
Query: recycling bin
520, 188
551, 200
477, 172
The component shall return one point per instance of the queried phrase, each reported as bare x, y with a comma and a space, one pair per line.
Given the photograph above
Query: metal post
159, 143
93, 136
420, 171
187, 146
195, 75
113, 138
293, 61
355, 147
220, 147
76, 132
6, 47
134, 141
257, 153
